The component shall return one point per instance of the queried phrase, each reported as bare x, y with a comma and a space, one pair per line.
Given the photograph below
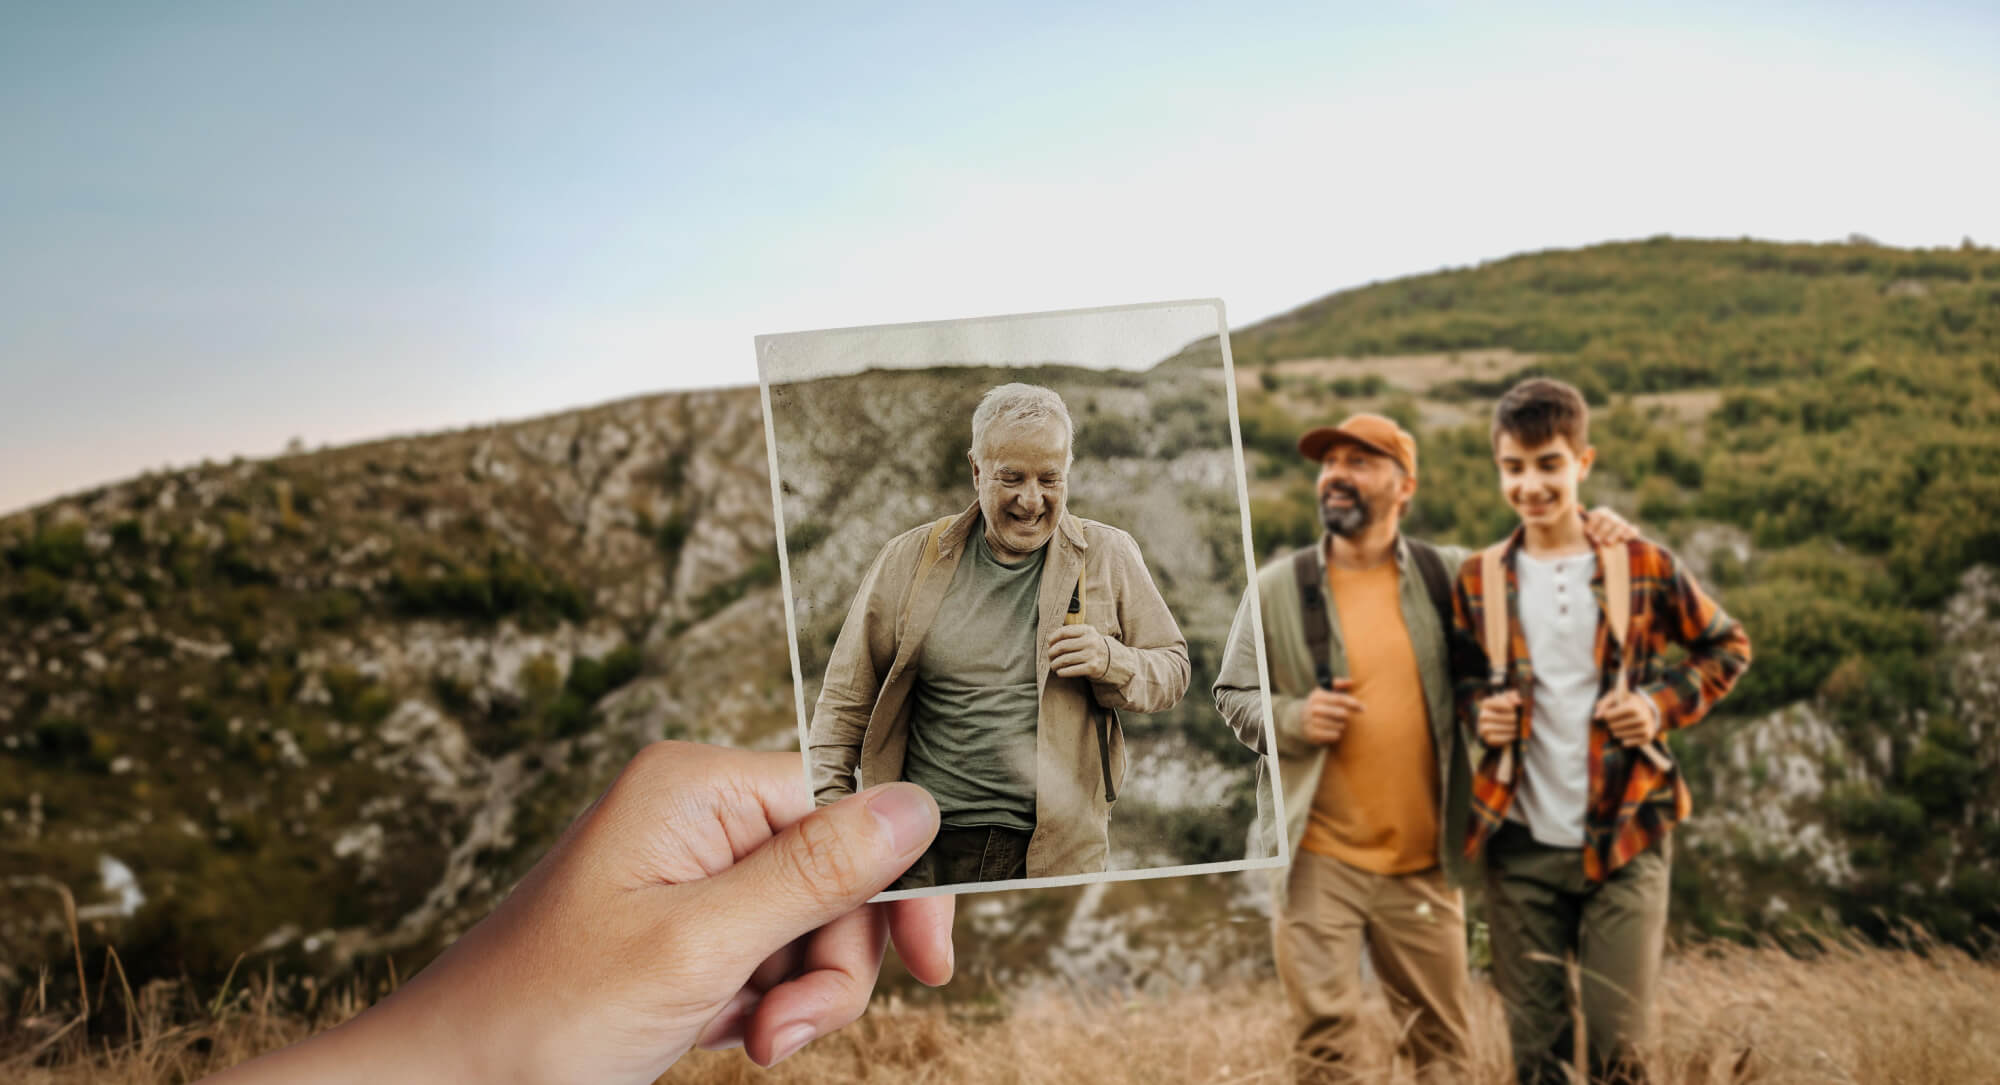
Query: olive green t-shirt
975, 703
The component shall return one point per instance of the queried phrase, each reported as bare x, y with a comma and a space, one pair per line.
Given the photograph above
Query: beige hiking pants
1413, 925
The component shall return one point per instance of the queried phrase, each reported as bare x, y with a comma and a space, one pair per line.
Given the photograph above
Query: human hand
700, 900
1328, 712
1078, 651
1633, 719
1500, 717
1604, 527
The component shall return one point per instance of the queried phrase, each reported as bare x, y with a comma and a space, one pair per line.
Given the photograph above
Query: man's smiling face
1358, 486
1022, 475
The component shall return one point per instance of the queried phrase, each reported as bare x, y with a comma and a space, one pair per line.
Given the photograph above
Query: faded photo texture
863, 457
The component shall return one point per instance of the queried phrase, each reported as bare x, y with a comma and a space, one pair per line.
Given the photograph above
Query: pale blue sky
227, 225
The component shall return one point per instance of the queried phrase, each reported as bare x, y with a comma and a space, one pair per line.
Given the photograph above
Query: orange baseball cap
1372, 432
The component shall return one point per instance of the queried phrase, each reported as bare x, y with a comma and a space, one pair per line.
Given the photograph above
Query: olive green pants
1413, 928
1542, 911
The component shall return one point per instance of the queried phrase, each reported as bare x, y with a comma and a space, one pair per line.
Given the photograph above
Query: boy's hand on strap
1500, 718
1633, 720
1328, 712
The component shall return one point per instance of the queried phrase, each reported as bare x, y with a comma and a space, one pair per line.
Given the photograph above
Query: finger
726, 1030
921, 929
1069, 657
680, 811
839, 969
1347, 703
819, 869
779, 965
1342, 685
1070, 632
1073, 665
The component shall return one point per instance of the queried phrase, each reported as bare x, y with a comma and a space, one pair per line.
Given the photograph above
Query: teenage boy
1575, 794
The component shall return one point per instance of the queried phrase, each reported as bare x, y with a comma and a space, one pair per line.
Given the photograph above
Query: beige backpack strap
1618, 603
1618, 616
1493, 600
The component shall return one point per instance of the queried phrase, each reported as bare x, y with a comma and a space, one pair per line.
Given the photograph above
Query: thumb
1343, 685
824, 866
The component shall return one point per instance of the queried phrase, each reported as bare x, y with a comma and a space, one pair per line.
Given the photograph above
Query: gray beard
1345, 522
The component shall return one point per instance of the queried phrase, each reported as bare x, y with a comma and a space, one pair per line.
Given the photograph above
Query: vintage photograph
1013, 546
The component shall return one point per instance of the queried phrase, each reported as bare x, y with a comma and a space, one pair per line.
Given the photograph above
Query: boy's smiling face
1540, 481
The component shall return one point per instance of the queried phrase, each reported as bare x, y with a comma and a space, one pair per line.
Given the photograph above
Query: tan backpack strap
1493, 600
1618, 616
1493, 597
1618, 602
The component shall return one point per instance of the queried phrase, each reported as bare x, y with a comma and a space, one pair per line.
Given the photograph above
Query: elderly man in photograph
986, 655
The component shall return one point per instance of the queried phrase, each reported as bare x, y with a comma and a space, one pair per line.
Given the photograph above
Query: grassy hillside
330, 704
1816, 428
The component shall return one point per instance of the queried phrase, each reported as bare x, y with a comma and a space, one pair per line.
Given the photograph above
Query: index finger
1070, 632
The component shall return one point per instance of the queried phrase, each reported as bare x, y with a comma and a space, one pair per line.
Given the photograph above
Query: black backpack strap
1312, 611
1437, 579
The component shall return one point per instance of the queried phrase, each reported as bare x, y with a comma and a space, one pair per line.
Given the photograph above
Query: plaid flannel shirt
1630, 803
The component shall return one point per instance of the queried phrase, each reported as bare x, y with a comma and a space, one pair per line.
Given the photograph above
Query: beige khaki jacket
861, 724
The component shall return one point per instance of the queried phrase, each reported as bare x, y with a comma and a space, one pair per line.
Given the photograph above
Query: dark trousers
958, 856
1542, 910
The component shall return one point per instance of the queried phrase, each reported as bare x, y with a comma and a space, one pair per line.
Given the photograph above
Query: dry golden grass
1727, 1014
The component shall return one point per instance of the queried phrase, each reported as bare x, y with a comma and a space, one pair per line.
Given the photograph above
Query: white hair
1028, 403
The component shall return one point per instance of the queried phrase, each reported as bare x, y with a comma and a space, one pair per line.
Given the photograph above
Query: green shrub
1109, 436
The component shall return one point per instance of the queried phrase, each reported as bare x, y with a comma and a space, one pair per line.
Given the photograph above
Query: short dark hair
1539, 409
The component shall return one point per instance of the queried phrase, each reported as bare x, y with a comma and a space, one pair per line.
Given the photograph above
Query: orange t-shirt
1376, 807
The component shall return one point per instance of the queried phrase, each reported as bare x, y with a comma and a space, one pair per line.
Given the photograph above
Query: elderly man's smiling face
1022, 475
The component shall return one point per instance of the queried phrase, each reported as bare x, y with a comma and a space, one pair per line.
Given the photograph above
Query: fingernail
907, 812
788, 1043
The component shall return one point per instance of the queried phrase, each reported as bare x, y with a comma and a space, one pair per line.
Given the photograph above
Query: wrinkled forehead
1025, 446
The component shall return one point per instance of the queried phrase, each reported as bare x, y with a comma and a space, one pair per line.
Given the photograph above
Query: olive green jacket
861, 723
1291, 671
